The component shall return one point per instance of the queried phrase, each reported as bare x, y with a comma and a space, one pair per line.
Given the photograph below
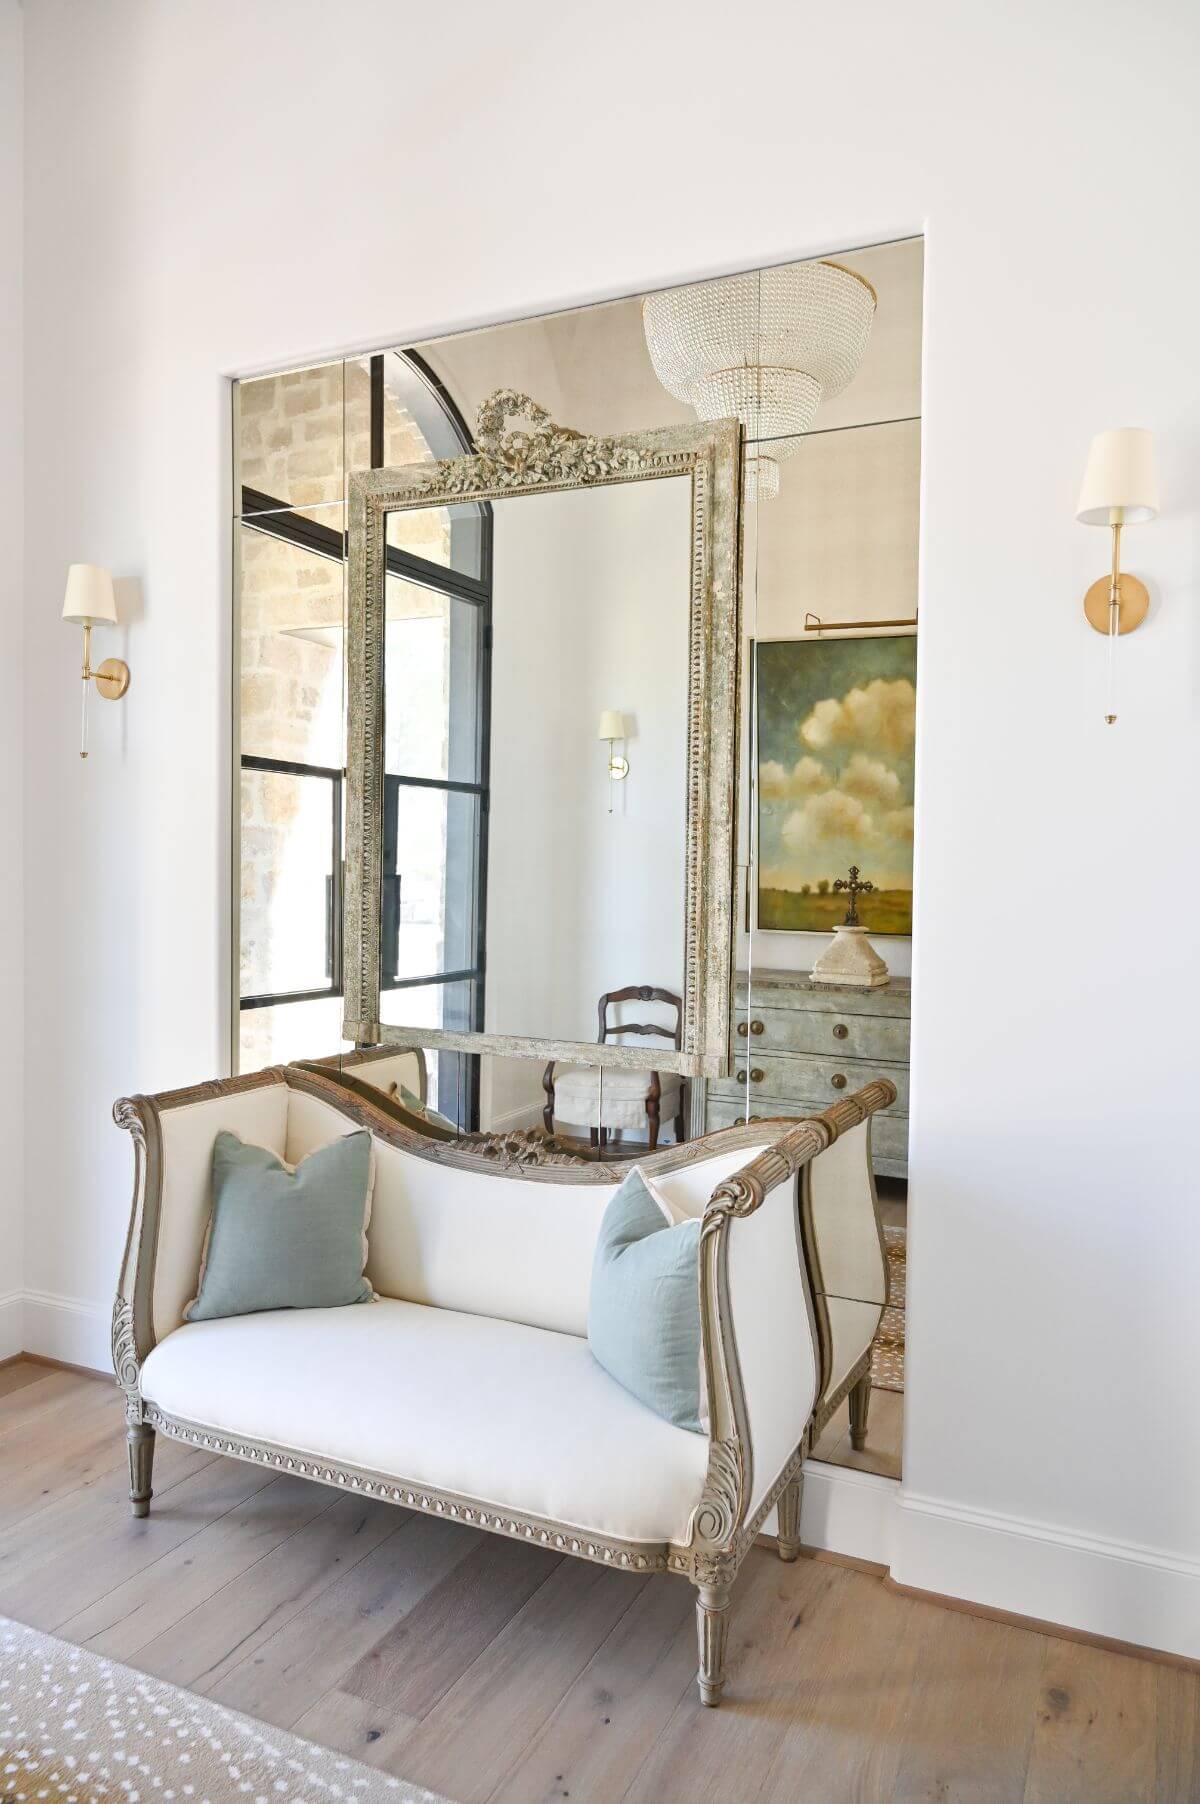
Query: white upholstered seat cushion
517, 1417
580, 1100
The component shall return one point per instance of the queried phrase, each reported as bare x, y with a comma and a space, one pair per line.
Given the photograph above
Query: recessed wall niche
837, 545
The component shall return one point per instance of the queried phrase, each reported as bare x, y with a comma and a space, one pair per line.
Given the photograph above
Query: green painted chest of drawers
798, 1047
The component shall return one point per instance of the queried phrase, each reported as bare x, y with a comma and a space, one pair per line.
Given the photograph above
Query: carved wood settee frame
722, 1527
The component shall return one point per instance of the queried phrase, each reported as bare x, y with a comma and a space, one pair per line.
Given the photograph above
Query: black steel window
433, 919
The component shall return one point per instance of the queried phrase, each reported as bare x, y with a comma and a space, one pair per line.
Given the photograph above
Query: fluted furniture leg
712, 1631
787, 1512
140, 1442
860, 1403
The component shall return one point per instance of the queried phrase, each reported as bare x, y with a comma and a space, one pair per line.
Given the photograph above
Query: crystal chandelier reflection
765, 348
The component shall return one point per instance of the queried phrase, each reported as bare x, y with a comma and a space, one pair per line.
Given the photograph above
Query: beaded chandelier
764, 348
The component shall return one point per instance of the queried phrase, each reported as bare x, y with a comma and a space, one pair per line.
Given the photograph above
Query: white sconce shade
89, 597
612, 725
1120, 485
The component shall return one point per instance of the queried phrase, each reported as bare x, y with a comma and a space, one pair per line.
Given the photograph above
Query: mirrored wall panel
534, 678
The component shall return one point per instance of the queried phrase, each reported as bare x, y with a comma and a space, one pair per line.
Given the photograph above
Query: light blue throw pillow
408, 1100
283, 1238
644, 1307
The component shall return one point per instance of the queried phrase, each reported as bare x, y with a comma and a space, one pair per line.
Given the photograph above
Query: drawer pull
838, 1080
743, 1029
756, 1027
840, 1031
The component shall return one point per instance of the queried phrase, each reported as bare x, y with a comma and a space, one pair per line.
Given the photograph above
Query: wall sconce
612, 727
89, 600
1120, 488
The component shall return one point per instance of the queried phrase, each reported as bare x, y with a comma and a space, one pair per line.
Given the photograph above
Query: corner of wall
12, 599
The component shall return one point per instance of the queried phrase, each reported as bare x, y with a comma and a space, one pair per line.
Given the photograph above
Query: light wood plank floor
487, 1669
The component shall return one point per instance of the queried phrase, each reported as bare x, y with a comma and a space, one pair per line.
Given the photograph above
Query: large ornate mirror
543, 748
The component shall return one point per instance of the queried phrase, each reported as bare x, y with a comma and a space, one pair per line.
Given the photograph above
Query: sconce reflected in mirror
612, 728
89, 601
1120, 488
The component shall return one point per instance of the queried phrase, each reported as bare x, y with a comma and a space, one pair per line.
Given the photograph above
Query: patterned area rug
76, 1728
887, 1354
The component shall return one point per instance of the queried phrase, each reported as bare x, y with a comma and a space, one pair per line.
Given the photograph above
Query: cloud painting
836, 730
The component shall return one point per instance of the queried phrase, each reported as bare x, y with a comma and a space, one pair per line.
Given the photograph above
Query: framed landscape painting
836, 730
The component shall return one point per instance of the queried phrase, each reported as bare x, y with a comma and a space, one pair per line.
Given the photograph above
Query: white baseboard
65, 1328
1112, 1589
515, 1119
844, 1511
12, 1324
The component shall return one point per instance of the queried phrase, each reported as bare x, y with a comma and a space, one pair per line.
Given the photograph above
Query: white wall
1050, 1464
12, 705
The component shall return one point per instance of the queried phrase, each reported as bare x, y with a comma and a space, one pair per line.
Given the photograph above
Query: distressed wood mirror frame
513, 462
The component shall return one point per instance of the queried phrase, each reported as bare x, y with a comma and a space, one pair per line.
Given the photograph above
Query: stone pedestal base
851, 962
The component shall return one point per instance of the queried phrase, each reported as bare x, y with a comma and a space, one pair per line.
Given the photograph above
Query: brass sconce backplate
111, 679
1135, 603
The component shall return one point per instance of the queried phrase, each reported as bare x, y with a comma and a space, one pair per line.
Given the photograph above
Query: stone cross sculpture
854, 890
851, 962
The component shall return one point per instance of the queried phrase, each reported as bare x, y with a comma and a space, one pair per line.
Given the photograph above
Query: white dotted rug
76, 1728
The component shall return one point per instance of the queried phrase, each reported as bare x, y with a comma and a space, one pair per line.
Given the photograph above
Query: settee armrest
173, 1135
760, 1347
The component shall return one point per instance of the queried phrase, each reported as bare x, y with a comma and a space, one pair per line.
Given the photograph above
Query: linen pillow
283, 1236
644, 1306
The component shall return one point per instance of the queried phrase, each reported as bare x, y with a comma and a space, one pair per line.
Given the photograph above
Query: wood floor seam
332, 1578
201, 1528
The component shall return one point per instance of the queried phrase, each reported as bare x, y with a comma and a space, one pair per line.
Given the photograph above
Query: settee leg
712, 1630
140, 1442
860, 1403
787, 1512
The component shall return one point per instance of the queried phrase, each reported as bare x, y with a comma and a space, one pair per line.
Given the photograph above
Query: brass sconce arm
1116, 603
111, 676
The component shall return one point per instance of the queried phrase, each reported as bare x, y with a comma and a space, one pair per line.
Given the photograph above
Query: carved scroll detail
549, 453
520, 1147
129, 1343
127, 1115
125, 1359
124, 1346
720, 1505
